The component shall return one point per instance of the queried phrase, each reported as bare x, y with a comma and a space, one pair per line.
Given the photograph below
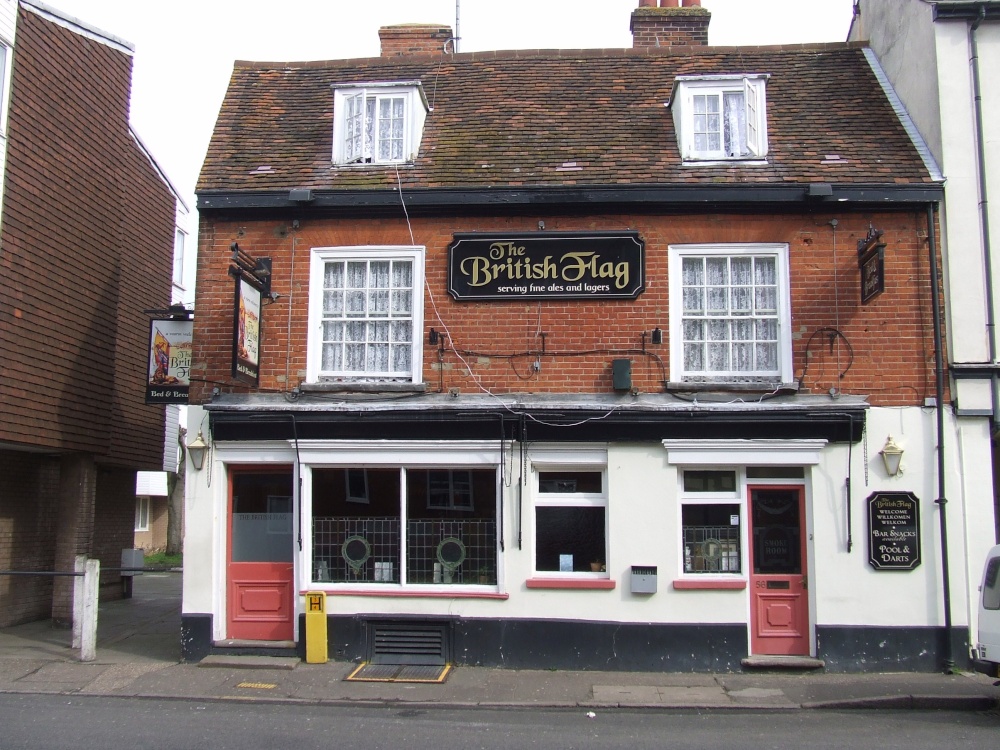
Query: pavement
138, 655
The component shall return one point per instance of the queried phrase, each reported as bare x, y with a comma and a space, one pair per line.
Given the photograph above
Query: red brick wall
891, 337
414, 39
114, 526
669, 27
28, 503
87, 245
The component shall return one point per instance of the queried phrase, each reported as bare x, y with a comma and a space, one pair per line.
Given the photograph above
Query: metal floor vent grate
399, 673
407, 643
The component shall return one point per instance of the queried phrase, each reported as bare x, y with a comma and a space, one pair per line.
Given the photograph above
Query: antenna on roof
458, 14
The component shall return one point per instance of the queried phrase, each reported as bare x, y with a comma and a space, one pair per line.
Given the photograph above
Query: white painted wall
644, 529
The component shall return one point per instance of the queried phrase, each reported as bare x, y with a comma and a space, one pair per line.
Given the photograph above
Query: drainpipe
984, 216
941, 501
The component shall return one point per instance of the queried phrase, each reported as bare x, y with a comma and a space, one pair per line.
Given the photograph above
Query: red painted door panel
261, 594
779, 600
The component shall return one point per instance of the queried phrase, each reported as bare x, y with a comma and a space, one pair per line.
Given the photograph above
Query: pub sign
546, 266
871, 264
893, 531
169, 367
246, 332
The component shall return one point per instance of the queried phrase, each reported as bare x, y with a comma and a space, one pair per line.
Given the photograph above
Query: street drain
257, 685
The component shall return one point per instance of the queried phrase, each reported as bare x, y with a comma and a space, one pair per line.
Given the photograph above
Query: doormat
399, 673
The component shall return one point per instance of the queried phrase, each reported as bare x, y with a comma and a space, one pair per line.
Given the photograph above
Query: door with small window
261, 551
779, 601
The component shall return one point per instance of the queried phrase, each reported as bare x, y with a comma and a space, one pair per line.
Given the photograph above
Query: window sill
687, 584
730, 387
570, 583
367, 386
715, 161
402, 593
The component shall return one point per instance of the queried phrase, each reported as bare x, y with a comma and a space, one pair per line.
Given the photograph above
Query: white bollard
91, 586
79, 566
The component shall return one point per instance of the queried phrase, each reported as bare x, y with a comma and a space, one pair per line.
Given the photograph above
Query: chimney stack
669, 24
415, 39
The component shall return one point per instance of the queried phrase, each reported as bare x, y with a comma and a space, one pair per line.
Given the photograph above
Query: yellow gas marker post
316, 647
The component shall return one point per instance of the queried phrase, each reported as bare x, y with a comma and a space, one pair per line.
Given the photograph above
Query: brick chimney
669, 24
415, 39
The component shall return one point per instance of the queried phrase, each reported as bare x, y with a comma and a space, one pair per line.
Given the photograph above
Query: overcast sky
184, 49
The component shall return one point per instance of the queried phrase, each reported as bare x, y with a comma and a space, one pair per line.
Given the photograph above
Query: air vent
425, 643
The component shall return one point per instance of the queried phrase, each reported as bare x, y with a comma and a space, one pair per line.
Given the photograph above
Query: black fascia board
542, 426
688, 196
966, 11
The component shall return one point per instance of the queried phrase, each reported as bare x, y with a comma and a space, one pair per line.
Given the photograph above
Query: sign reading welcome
546, 265
894, 531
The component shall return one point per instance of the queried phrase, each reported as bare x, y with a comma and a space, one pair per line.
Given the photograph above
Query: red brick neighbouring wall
114, 526
87, 245
28, 504
886, 350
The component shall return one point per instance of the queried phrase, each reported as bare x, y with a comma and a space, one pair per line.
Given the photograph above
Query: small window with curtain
720, 118
366, 308
377, 123
729, 314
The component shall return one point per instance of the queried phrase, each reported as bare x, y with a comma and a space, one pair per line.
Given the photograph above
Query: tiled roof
560, 117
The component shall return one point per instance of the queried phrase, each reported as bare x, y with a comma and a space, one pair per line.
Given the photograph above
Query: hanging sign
169, 369
871, 263
246, 332
546, 265
893, 531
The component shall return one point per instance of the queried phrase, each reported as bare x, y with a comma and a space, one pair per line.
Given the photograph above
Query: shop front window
405, 526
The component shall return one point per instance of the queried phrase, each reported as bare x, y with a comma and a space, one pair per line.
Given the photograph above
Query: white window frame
5, 73
314, 361
564, 461
142, 513
736, 497
347, 97
401, 456
180, 248
753, 88
778, 251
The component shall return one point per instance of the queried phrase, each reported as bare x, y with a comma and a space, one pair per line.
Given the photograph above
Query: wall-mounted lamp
656, 336
196, 449
892, 454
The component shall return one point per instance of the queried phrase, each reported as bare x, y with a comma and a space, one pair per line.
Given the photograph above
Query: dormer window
377, 123
720, 118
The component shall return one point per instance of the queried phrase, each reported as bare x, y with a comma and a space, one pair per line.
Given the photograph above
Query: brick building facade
551, 374
87, 242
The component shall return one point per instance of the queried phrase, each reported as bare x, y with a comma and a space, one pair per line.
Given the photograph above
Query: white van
986, 655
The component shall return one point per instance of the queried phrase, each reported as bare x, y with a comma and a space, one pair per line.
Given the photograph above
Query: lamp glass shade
892, 454
196, 449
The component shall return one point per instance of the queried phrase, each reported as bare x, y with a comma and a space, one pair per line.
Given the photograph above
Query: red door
779, 602
260, 586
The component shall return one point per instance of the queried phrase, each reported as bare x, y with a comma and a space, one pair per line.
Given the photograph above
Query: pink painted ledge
689, 584
570, 583
414, 594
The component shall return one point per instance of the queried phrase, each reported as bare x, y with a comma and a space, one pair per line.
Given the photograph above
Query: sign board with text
546, 266
893, 531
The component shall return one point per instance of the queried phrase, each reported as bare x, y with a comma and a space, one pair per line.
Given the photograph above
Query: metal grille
408, 643
479, 538
712, 549
382, 534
